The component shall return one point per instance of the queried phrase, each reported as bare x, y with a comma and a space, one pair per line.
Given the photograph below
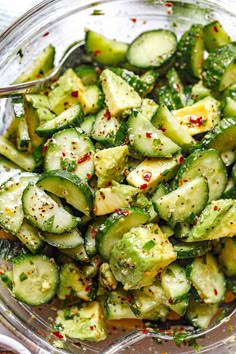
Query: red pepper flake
66, 103
168, 4
216, 207
107, 115
108, 184
134, 20
147, 176
196, 120
63, 154
158, 274
58, 335
96, 52
41, 333
45, 147
98, 70
126, 141
169, 13
91, 328
88, 288
84, 158
46, 93
170, 301
75, 93
145, 331
181, 161
89, 175
130, 299
194, 222
148, 135
163, 129
215, 29
93, 232
215, 292
122, 212
143, 186
45, 34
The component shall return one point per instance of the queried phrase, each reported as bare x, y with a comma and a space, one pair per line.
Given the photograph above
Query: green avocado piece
110, 164
84, 322
139, 255
119, 95
73, 283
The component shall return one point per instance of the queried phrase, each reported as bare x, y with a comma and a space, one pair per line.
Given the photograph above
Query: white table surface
10, 10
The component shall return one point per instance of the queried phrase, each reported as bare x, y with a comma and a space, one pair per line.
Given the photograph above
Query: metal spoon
74, 55
188, 332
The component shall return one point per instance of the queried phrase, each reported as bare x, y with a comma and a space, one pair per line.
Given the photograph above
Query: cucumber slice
70, 150
228, 107
35, 279
94, 99
7, 169
70, 239
43, 212
201, 314
73, 116
24, 160
187, 200
207, 163
104, 50
223, 136
191, 249
219, 68
117, 305
176, 88
165, 120
174, 282
9, 249
148, 140
207, 278
40, 66
11, 212
88, 74
227, 256
87, 124
77, 253
152, 48
30, 236
189, 53
214, 36
66, 185
217, 220
115, 226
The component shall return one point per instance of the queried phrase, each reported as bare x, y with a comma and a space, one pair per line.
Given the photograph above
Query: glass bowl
61, 22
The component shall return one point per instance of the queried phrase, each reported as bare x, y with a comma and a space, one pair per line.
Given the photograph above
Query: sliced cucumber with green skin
165, 97
9, 249
30, 236
94, 98
201, 314
7, 169
142, 84
189, 54
214, 36
227, 256
67, 185
43, 212
72, 150
231, 285
11, 212
182, 229
176, 88
115, 226
174, 282
66, 240
216, 220
35, 279
104, 50
71, 117
24, 160
207, 163
88, 74
180, 204
148, 140
117, 305
87, 124
77, 253
223, 136
186, 250
152, 48
40, 66
207, 278
219, 68
228, 107
164, 120
90, 236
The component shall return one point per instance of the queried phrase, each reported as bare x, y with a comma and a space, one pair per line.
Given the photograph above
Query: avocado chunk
110, 164
74, 284
119, 95
118, 196
139, 255
84, 322
117, 305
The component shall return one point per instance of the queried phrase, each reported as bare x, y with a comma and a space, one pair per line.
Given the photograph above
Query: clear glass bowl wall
64, 22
